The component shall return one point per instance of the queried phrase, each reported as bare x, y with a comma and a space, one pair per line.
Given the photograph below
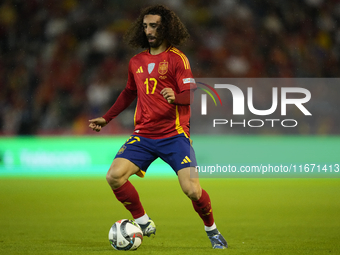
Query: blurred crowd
63, 62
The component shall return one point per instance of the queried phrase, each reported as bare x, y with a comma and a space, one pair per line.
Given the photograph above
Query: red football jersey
149, 74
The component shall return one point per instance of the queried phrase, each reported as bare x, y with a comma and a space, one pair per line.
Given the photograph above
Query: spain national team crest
163, 67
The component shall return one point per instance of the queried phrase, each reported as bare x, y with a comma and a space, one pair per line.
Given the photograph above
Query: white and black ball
125, 235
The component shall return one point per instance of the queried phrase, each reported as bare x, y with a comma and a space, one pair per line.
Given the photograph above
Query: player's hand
168, 94
97, 124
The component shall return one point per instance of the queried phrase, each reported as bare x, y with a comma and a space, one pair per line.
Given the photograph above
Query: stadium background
64, 62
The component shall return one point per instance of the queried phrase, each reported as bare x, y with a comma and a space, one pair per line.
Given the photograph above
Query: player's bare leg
190, 184
117, 177
188, 179
120, 171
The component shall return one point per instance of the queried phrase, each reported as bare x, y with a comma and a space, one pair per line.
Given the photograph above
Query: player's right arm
97, 124
123, 101
125, 98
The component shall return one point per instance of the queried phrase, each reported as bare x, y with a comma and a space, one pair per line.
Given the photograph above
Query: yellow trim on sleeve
184, 58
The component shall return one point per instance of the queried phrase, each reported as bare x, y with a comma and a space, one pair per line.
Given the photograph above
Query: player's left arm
183, 98
185, 82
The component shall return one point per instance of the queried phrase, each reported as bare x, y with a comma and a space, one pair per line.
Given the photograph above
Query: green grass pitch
256, 216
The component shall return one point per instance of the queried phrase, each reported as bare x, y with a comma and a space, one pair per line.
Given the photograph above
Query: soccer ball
125, 235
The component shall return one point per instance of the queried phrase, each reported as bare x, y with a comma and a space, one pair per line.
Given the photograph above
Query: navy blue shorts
176, 151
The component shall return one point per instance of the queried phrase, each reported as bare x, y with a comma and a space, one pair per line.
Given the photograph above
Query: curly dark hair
171, 28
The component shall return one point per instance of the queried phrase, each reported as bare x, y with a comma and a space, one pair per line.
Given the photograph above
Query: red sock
203, 207
128, 196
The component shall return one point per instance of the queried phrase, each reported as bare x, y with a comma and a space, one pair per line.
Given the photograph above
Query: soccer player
161, 79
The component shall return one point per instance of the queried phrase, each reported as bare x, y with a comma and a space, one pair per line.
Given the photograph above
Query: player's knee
114, 179
193, 193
